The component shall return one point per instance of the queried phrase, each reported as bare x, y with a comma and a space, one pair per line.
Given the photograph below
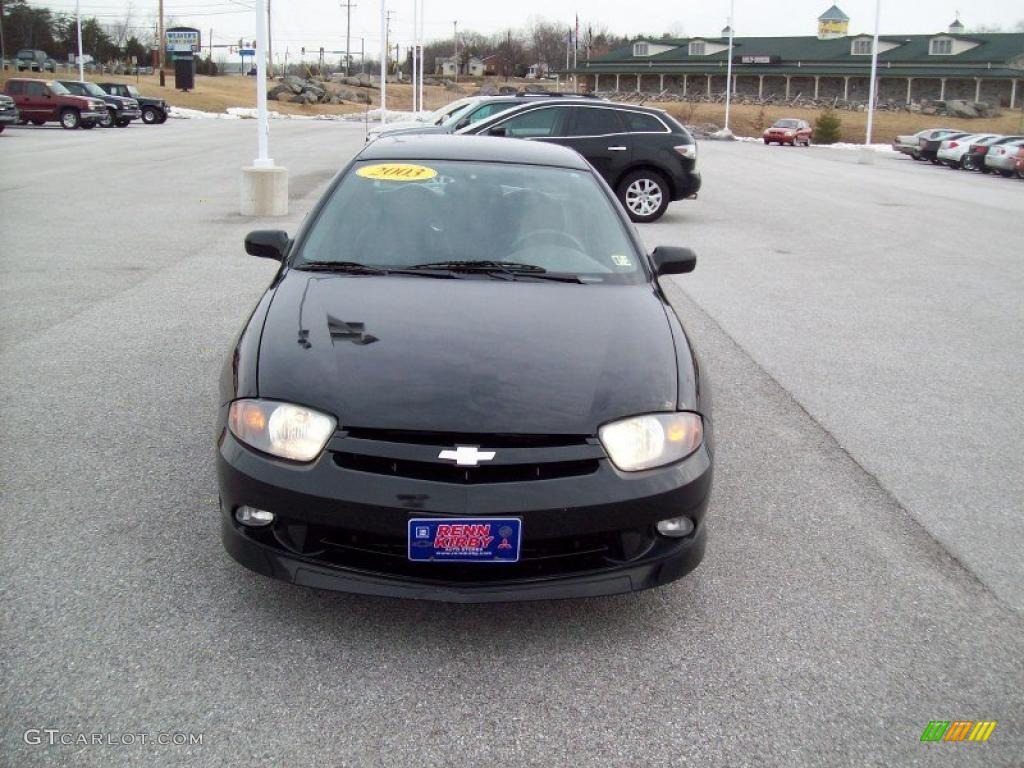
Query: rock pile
300, 91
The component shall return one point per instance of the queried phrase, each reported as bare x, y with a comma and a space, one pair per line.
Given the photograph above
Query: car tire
70, 119
645, 195
968, 165
163, 118
2, 128
767, 143
37, 122
108, 120
150, 115
1007, 174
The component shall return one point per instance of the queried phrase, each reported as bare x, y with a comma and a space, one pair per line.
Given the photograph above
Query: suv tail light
952, 145
687, 150
982, 150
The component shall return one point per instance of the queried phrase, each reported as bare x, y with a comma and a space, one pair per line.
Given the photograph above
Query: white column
1013, 93
910, 84
817, 80
262, 123
760, 86
977, 89
728, 69
686, 85
787, 86
942, 89
709, 85
617, 83
415, 29
846, 88
81, 64
597, 79
873, 85
661, 82
383, 61
638, 83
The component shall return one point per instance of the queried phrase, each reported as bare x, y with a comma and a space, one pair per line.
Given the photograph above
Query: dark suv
644, 154
154, 110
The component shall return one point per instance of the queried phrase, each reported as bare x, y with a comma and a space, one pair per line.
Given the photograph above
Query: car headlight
645, 442
281, 429
789, 133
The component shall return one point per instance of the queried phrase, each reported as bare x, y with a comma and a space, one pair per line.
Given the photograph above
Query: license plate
465, 539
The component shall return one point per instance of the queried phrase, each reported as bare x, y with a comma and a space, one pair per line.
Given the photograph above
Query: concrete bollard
264, 191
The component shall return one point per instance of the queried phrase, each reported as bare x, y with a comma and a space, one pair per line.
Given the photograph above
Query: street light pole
383, 61
728, 68
78, 22
415, 54
262, 123
423, 53
874, 73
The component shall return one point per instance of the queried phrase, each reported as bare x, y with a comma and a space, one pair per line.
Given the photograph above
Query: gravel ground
863, 573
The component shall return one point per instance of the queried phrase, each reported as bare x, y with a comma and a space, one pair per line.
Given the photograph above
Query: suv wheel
150, 115
645, 195
107, 121
70, 119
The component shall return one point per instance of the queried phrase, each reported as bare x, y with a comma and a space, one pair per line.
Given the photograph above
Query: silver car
1002, 158
911, 144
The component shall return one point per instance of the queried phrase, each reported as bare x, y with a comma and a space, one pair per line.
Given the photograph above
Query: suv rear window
639, 122
593, 121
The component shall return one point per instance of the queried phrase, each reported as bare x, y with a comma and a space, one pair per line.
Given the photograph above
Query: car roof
584, 101
472, 148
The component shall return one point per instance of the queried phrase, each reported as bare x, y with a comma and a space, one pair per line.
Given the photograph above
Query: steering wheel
549, 235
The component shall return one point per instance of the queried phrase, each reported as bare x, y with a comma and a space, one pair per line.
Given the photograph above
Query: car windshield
784, 124
458, 114
397, 215
91, 88
440, 116
57, 89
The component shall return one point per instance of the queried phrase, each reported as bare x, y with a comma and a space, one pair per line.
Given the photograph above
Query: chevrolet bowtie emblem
466, 455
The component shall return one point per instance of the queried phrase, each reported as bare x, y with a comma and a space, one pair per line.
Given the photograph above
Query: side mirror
267, 243
669, 260
498, 130
462, 124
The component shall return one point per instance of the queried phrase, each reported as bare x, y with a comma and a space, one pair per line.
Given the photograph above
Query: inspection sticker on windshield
465, 539
396, 172
621, 261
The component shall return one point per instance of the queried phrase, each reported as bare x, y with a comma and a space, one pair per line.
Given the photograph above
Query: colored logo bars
958, 730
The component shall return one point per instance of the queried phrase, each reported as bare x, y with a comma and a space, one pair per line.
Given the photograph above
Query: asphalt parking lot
862, 326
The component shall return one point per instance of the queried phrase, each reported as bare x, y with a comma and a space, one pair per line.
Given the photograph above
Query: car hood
421, 128
467, 355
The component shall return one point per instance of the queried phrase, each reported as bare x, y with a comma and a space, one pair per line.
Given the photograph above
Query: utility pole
160, 38
455, 37
362, 55
270, 45
348, 6
415, 52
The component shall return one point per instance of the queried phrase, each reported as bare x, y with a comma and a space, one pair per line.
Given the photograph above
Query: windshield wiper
513, 269
353, 267
358, 268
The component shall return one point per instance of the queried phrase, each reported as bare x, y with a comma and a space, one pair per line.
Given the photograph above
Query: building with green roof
984, 67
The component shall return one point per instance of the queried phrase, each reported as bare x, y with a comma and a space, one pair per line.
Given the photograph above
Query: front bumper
129, 114
8, 117
343, 529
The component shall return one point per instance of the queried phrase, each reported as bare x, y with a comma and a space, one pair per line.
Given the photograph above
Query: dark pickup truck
43, 102
154, 111
120, 111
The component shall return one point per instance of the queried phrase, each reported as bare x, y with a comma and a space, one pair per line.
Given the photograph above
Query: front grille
416, 455
450, 473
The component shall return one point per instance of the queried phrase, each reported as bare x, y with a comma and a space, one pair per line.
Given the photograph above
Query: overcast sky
313, 23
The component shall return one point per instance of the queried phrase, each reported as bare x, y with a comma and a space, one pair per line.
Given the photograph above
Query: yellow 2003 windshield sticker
396, 172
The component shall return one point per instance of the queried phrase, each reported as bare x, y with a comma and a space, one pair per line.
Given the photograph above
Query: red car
43, 102
789, 131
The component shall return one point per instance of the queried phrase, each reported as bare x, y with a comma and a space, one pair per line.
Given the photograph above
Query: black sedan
465, 384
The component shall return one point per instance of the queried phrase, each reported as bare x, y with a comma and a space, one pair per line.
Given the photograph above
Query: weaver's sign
756, 59
182, 40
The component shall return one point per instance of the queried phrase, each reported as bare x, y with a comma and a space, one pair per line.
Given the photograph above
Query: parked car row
985, 152
645, 155
77, 104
